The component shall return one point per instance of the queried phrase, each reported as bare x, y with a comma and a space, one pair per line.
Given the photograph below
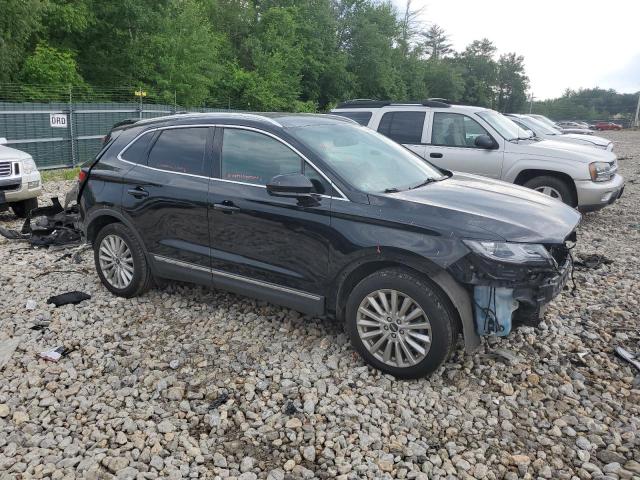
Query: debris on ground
290, 408
628, 356
221, 400
55, 354
592, 261
72, 298
31, 304
7, 347
51, 225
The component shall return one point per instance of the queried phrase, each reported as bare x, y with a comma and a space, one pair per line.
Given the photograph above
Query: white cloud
565, 43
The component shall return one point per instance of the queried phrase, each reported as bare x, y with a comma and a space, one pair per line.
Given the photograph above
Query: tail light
82, 176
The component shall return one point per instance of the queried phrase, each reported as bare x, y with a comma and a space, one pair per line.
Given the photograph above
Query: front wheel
120, 261
400, 323
553, 187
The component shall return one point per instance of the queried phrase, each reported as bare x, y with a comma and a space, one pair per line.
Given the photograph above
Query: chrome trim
234, 276
180, 263
342, 197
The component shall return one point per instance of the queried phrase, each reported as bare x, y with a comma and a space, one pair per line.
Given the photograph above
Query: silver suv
20, 182
484, 142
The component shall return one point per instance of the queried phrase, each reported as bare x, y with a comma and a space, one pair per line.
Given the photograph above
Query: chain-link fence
62, 127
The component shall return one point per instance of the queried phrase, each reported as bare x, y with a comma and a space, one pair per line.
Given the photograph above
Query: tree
19, 21
479, 71
436, 43
512, 83
444, 79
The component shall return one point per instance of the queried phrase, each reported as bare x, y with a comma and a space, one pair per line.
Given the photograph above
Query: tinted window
180, 150
137, 151
455, 130
403, 127
252, 157
361, 117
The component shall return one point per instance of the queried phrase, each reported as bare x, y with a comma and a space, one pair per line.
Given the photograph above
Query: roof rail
367, 103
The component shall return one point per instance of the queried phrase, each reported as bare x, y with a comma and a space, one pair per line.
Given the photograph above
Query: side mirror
485, 141
292, 185
3, 141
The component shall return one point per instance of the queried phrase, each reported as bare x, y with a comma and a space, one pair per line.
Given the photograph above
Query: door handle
226, 207
435, 155
138, 192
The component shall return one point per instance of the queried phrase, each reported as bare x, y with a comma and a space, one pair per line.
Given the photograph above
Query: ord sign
58, 120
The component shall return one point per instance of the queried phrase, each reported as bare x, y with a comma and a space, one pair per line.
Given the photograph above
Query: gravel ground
189, 382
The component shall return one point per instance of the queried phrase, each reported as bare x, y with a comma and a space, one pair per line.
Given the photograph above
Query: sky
565, 43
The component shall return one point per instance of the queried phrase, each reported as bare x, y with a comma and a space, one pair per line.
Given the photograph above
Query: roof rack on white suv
368, 103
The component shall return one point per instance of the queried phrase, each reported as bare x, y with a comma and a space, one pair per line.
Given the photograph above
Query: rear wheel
554, 187
401, 323
120, 261
23, 208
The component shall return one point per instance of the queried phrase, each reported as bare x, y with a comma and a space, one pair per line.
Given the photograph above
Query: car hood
593, 139
466, 204
566, 150
7, 153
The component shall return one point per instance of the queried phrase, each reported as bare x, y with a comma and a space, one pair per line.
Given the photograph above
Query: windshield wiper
426, 182
391, 190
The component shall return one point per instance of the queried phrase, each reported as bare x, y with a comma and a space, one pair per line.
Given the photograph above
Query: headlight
28, 165
601, 171
520, 253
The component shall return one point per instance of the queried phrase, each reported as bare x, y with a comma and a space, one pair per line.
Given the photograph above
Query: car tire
554, 187
427, 297
129, 275
23, 208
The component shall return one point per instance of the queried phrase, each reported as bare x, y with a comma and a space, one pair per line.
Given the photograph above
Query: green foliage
249, 54
589, 104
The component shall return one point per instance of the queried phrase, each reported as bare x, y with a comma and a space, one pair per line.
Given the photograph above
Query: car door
165, 198
452, 146
406, 127
269, 247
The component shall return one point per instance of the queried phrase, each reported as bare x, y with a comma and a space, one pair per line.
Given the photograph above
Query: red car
607, 126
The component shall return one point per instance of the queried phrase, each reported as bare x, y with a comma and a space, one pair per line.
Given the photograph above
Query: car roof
407, 106
277, 119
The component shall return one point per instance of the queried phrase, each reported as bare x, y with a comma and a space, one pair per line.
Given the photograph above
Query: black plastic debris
51, 225
290, 408
39, 327
72, 298
221, 400
593, 261
56, 354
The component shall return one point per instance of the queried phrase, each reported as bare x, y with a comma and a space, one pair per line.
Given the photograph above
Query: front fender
575, 170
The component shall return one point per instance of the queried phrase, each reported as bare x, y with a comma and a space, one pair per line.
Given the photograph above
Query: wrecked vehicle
20, 182
324, 216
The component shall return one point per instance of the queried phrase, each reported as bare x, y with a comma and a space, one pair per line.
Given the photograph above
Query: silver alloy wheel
394, 328
116, 261
550, 191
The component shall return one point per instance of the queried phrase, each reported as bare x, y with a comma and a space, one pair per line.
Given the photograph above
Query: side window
455, 130
137, 151
320, 184
361, 117
403, 127
252, 157
180, 150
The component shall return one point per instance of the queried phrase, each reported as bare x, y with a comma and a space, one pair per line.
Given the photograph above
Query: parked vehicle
543, 132
569, 125
319, 214
607, 126
484, 142
20, 182
577, 129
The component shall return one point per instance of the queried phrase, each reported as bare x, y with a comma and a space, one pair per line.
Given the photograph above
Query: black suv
319, 214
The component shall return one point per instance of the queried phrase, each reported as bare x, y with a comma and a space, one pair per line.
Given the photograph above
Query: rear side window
137, 151
180, 150
252, 157
361, 117
403, 127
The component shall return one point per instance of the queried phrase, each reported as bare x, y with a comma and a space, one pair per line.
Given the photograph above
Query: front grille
5, 169
10, 187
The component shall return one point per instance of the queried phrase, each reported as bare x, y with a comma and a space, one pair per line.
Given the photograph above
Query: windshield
537, 126
367, 160
547, 122
506, 127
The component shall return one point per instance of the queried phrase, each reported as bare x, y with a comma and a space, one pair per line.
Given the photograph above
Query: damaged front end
511, 283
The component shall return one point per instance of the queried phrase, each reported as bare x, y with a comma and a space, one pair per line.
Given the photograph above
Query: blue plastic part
493, 309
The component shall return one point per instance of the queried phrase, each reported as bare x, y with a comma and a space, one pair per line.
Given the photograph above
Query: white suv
484, 142
20, 182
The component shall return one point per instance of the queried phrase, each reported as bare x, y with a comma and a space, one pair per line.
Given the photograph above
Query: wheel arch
525, 175
459, 298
